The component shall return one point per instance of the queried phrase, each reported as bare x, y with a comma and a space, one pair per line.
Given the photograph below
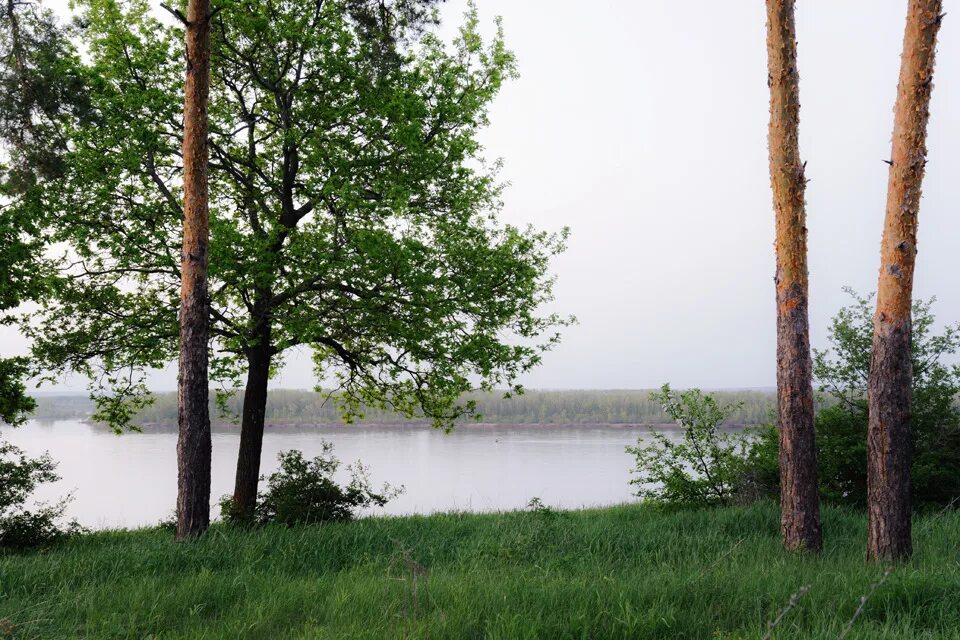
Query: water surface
130, 480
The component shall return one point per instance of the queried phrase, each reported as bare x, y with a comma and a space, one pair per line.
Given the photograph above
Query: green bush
21, 527
304, 491
705, 467
841, 424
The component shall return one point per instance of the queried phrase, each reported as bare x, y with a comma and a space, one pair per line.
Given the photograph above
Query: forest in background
297, 407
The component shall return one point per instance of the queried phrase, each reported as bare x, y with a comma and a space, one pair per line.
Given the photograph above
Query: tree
351, 213
40, 94
705, 467
799, 502
194, 447
20, 526
888, 465
842, 372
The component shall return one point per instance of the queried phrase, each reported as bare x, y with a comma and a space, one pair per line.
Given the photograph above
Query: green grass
622, 572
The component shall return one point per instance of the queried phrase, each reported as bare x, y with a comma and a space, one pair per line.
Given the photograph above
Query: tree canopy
39, 93
352, 210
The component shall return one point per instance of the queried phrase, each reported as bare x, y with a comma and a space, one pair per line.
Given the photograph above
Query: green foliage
352, 211
40, 93
605, 574
842, 372
305, 491
15, 405
22, 527
704, 467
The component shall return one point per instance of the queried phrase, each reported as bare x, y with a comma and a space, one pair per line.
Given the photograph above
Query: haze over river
130, 480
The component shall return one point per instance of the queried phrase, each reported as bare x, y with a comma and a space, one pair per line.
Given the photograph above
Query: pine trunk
891, 374
251, 433
193, 443
799, 501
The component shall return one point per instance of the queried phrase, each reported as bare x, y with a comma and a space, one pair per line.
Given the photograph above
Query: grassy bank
624, 572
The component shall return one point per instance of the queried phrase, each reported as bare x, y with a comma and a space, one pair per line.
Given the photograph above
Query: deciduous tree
40, 94
351, 213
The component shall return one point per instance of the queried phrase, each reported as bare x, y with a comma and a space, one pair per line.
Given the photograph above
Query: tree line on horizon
301, 407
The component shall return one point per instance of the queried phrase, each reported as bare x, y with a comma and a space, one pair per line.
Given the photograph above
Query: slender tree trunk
891, 372
193, 443
799, 501
251, 433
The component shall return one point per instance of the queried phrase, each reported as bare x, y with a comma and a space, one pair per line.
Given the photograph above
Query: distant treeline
533, 407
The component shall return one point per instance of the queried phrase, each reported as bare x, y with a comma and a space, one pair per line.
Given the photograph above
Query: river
130, 480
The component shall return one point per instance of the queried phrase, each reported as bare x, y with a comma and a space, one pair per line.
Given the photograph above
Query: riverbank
629, 571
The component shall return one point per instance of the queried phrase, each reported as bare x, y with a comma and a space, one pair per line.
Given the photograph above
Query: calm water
130, 480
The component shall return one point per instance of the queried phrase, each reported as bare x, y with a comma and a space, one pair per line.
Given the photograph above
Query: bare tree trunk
891, 374
251, 433
193, 443
799, 501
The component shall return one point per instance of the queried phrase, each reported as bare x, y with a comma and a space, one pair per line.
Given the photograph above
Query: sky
641, 125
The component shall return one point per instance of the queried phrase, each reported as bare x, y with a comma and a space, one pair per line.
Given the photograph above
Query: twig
932, 521
863, 602
791, 604
886, 574
726, 553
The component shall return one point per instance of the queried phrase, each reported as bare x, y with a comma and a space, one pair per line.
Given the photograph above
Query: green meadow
629, 571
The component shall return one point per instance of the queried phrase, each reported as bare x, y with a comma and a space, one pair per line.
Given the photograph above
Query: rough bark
889, 390
193, 443
799, 500
251, 433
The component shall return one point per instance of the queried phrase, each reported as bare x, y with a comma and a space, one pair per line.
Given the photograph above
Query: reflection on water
130, 480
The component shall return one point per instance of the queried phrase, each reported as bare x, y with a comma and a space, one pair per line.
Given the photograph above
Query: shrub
304, 491
21, 527
841, 425
704, 467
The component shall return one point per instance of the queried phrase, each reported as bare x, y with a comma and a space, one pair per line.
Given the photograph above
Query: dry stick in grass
886, 574
863, 601
416, 570
720, 558
790, 606
932, 521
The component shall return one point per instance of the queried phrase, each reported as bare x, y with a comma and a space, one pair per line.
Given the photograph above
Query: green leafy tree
38, 94
704, 467
21, 526
352, 213
842, 372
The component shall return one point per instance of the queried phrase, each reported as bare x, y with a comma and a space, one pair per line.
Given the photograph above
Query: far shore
225, 426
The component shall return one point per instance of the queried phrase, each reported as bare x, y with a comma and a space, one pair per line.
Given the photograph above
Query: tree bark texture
889, 390
799, 500
193, 443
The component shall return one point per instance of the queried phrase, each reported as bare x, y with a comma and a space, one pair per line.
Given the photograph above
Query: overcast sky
642, 126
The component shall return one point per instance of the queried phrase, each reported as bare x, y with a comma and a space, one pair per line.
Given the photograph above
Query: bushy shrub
704, 467
841, 425
21, 527
304, 491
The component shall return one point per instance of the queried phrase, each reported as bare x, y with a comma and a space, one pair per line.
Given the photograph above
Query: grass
622, 572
